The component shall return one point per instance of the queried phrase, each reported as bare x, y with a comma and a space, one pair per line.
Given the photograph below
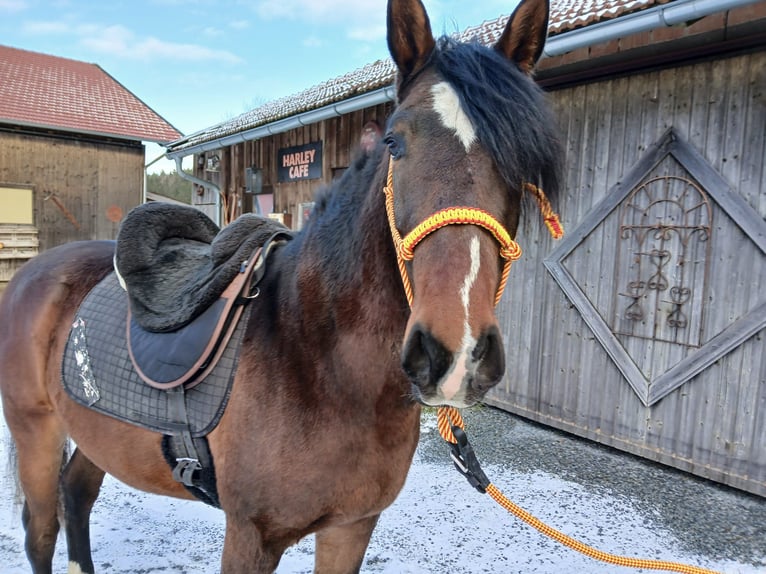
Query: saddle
187, 283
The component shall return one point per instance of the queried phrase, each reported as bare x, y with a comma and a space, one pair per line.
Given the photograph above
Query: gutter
672, 14
379, 96
665, 15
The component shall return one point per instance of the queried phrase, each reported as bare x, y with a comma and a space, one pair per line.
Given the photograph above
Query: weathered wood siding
339, 136
679, 378
18, 244
89, 185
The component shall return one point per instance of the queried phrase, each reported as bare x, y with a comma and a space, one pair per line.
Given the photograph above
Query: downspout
146, 172
206, 184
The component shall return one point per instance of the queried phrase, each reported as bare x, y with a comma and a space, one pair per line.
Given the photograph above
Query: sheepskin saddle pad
156, 343
175, 262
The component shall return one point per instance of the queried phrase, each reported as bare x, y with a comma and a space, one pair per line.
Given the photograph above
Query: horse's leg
40, 447
80, 485
340, 549
244, 551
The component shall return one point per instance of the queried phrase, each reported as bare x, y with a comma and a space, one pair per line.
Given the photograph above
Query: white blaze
447, 105
463, 361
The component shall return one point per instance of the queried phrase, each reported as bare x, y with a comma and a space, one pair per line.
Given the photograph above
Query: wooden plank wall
558, 373
339, 135
92, 182
714, 425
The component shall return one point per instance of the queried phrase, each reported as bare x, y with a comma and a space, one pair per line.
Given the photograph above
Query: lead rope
450, 425
448, 419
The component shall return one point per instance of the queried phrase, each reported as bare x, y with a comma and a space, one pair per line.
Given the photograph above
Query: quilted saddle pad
97, 371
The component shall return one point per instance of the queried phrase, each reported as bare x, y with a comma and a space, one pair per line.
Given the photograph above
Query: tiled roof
566, 15
570, 14
51, 92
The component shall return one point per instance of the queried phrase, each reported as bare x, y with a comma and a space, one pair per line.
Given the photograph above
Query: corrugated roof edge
79, 131
285, 107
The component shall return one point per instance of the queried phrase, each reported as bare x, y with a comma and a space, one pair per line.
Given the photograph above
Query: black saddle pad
97, 371
175, 262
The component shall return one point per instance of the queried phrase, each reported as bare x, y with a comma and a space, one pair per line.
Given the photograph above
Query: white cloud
154, 48
239, 24
12, 5
212, 32
312, 42
339, 11
120, 41
113, 40
117, 40
367, 33
45, 28
363, 20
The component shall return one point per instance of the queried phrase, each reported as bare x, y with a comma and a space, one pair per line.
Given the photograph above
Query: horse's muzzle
457, 378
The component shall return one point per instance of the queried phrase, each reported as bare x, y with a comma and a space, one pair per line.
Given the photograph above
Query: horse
335, 363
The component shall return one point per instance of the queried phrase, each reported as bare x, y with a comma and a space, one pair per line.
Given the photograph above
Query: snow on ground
438, 525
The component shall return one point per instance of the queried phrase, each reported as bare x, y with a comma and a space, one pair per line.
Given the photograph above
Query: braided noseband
509, 249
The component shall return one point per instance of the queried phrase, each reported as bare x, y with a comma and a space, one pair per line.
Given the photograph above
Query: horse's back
34, 309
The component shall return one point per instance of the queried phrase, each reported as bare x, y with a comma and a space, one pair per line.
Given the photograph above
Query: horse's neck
346, 268
334, 305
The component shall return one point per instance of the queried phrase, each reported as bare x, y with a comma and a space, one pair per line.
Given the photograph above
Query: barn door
688, 256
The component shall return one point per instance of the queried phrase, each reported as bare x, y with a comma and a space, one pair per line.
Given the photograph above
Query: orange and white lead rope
449, 417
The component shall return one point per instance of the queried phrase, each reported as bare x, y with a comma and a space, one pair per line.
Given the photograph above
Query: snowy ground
440, 525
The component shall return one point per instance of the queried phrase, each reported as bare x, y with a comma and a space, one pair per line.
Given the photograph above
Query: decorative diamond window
672, 295
665, 227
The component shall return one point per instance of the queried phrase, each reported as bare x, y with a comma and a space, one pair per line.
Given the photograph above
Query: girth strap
189, 457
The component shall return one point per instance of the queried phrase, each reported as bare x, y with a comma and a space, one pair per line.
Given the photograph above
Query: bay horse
324, 412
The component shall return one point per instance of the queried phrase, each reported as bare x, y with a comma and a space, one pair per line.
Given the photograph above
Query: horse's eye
394, 146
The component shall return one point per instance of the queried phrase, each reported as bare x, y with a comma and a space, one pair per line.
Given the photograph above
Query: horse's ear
410, 40
524, 36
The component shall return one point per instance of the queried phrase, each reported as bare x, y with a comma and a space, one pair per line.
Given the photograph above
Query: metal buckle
465, 461
185, 469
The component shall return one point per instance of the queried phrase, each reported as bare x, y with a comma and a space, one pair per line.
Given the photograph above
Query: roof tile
565, 15
52, 92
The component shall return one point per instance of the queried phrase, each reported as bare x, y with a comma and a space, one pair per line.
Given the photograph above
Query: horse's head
470, 129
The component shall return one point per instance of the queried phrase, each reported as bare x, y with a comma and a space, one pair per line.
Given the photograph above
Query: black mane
512, 121
333, 227
508, 111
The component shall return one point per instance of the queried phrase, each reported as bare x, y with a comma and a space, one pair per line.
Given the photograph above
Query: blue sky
201, 62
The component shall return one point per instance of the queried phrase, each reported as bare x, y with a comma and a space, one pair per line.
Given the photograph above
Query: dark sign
300, 162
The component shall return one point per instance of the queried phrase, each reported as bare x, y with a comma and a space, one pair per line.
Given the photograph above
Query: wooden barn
71, 153
644, 328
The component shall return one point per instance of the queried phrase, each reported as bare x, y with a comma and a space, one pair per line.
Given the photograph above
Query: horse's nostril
425, 360
490, 355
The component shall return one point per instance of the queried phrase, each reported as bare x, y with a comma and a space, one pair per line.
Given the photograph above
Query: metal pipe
664, 15
379, 96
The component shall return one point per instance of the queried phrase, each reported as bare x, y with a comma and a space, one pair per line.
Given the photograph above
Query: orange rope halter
405, 248
448, 419
549, 217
